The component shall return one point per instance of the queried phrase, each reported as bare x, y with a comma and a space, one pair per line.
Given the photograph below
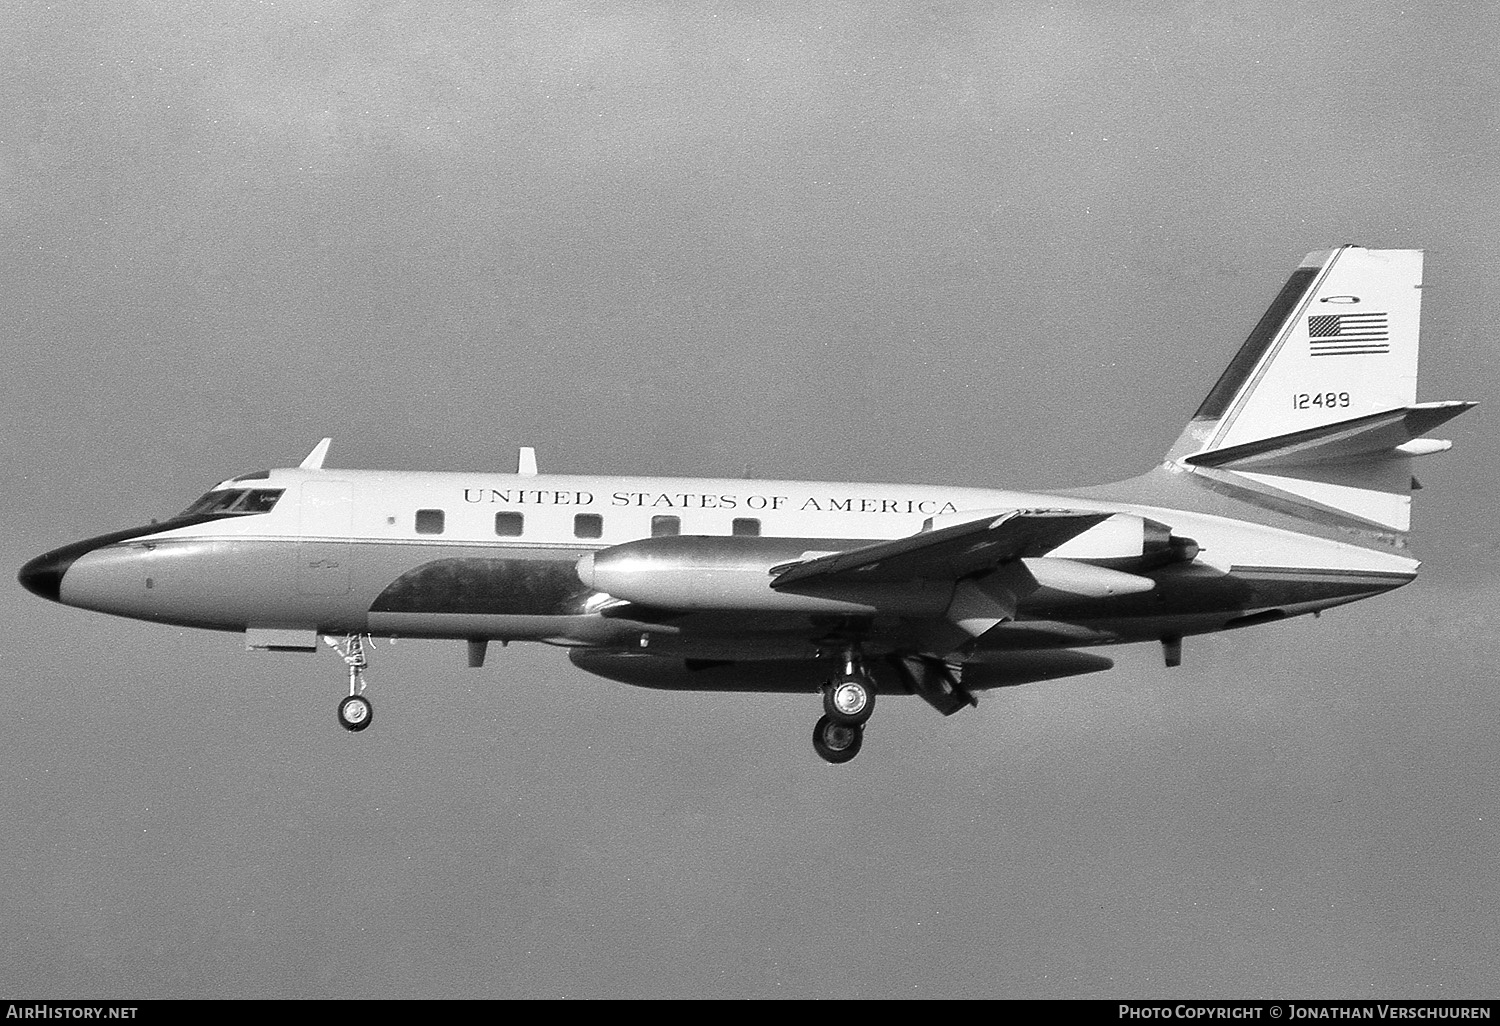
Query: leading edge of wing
945, 554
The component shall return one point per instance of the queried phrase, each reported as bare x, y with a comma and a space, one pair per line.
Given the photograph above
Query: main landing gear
848, 701
357, 711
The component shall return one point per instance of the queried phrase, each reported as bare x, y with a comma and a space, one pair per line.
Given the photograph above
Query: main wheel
356, 712
837, 742
849, 700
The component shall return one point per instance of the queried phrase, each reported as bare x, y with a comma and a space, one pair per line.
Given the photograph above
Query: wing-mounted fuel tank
782, 673
1046, 556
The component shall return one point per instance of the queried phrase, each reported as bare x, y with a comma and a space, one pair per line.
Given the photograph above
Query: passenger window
509, 525
429, 521
665, 527
588, 525
748, 526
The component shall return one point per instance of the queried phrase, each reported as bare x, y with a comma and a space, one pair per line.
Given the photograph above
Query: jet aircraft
1287, 493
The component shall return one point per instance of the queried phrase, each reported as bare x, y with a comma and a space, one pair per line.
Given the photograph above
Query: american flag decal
1351, 334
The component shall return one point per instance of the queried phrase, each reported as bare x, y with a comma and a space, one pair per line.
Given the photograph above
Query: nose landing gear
356, 712
848, 702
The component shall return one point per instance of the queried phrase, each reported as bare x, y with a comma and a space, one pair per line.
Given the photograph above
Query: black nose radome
43, 575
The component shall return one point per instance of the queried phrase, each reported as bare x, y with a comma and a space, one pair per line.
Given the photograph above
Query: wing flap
945, 554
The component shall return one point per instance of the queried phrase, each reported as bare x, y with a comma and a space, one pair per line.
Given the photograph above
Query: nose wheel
356, 712
848, 702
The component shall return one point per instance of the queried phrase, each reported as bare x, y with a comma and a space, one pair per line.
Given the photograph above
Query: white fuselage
476, 555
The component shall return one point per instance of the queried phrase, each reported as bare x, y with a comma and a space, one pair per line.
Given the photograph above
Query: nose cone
43, 575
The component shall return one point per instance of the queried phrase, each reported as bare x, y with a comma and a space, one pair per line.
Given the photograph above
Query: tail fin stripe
1260, 339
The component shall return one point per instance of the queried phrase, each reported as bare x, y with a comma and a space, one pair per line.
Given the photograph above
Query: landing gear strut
848, 701
356, 712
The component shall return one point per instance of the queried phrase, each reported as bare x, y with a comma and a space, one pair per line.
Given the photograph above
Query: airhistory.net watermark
46, 1010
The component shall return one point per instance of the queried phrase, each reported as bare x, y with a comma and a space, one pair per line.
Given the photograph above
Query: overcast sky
974, 243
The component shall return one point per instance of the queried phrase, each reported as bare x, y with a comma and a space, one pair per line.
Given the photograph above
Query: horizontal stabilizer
1374, 437
945, 554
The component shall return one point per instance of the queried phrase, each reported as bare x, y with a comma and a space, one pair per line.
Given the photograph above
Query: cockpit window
235, 502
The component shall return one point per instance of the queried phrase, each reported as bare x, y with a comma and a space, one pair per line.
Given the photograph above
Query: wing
946, 554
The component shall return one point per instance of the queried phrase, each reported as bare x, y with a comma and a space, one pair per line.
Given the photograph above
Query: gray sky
988, 244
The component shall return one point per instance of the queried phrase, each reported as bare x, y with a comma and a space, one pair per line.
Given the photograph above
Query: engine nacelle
702, 573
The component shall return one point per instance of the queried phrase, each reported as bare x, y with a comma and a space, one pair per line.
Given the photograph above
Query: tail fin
1317, 414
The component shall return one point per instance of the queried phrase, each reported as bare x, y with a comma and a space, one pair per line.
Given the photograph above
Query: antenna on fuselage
526, 462
315, 458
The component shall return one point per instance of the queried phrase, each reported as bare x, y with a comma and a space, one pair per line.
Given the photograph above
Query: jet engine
695, 573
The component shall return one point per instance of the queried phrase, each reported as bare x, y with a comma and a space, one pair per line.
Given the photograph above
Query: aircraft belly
1198, 600
1278, 585
562, 629
644, 671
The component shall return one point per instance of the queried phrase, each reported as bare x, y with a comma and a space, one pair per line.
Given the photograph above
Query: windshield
235, 502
